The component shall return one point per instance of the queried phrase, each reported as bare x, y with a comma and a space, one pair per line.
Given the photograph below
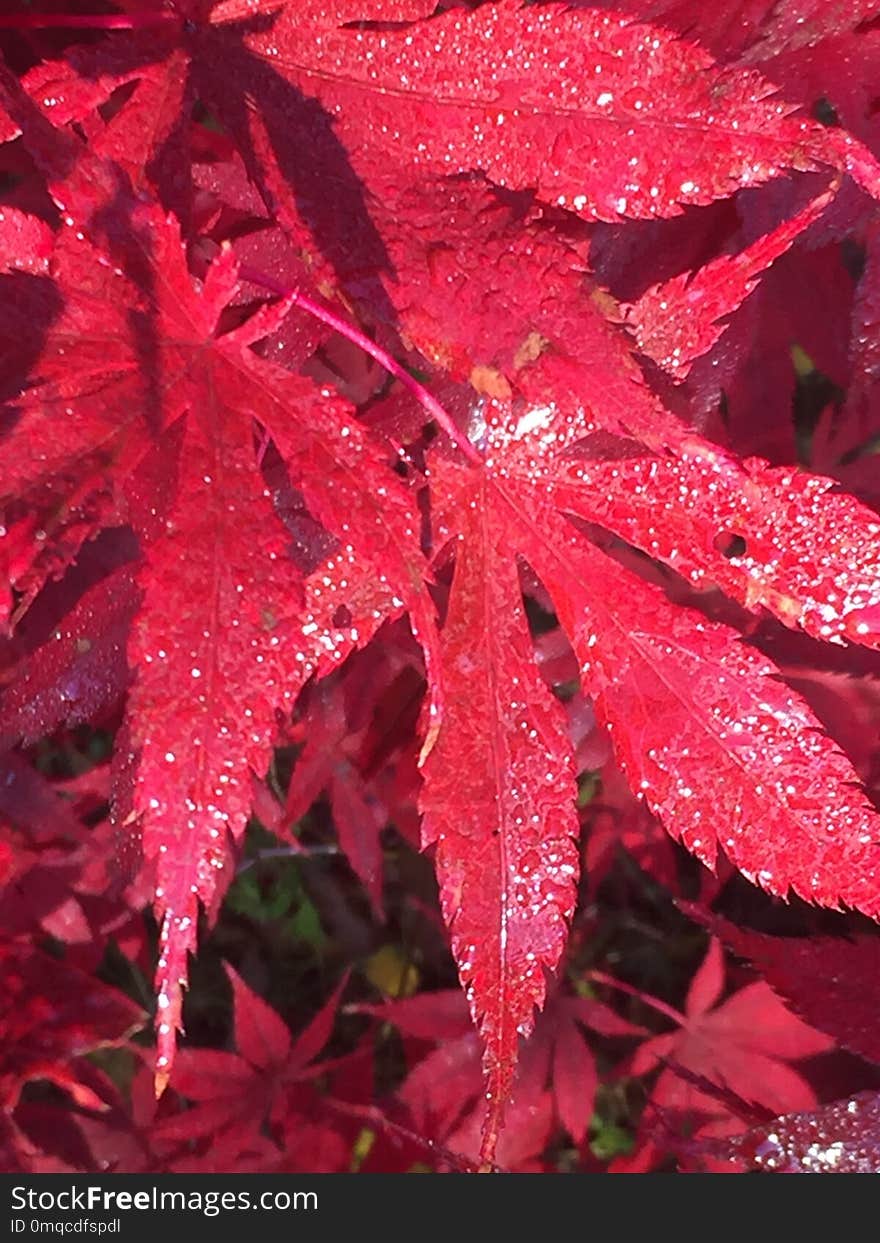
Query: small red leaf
315, 1035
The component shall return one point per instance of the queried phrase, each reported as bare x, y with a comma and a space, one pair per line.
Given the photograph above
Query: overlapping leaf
743, 1044
228, 630
498, 799
435, 173
845, 1007
701, 726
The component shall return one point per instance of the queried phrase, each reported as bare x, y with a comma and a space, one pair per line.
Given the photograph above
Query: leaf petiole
430, 403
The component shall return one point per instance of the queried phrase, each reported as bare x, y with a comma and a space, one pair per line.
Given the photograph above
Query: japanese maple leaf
534, 475
228, 629
237, 1095
557, 1076
561, 1056
441, 95
706, 732
633, 647
642, 660
687, 706
743, 1045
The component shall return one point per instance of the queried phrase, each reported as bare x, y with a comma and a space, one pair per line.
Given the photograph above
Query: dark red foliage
847, 1001
52, 1014
445, 428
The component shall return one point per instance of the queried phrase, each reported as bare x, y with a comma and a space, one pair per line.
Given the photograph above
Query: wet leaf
578, 226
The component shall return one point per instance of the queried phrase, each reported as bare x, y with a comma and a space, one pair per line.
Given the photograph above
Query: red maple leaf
210, 674
420, 182
238, 1099
556, 1078
742, 1044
